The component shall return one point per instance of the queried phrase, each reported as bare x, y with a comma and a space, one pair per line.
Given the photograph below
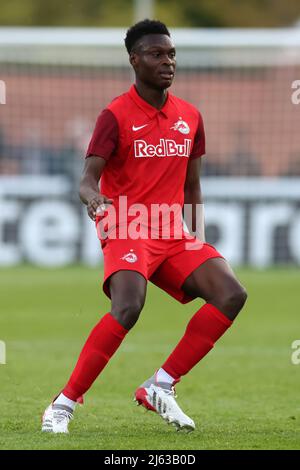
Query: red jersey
147, 149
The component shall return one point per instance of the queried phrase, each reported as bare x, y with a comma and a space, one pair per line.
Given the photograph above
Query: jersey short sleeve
105, 137
199, 141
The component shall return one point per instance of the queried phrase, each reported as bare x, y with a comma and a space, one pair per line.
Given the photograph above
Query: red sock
203, 330
102, 343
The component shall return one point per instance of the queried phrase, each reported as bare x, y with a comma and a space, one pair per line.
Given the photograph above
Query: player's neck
156, 98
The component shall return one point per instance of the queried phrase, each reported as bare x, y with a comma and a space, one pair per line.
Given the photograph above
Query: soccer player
147, 146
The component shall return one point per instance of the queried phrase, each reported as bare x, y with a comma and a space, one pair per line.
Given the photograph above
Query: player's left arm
194, 217
194, 213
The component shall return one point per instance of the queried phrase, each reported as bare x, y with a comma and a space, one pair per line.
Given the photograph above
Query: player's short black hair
141, 29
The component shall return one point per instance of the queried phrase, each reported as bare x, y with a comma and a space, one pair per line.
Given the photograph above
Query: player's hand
97, 205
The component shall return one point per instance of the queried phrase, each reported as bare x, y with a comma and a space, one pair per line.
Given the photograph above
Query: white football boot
160, 398
56, 419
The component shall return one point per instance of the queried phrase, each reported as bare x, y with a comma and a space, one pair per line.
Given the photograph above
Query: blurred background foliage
186, 13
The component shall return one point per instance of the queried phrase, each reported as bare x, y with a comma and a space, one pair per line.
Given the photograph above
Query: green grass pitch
243, 395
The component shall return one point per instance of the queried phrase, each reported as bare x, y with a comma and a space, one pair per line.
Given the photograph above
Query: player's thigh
212, 279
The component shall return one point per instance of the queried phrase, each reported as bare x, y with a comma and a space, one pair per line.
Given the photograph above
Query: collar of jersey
146, 107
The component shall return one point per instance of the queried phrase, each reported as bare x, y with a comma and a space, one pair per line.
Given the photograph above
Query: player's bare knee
234, 300
231, 301
128, 313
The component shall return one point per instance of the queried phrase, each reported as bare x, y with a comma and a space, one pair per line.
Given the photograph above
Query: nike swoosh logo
138, 128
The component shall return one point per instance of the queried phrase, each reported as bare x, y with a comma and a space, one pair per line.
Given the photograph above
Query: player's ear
133, 58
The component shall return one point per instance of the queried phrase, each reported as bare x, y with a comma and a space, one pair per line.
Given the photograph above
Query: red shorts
165, 262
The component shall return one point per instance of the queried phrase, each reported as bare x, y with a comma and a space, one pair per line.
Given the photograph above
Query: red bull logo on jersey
165, 148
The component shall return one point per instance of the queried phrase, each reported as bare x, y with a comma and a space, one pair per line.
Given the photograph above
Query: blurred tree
66, 13
195, 13
229, 13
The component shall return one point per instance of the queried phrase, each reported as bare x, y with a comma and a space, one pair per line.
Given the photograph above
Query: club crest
181, 126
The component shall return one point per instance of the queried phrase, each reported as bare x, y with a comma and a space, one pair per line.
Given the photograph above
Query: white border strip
114, 37
31, 186
251, 188
213, 188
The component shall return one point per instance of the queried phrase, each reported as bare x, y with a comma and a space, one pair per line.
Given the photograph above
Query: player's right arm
89, 186
103, 143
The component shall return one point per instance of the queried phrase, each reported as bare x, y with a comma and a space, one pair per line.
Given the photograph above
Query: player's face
154, 60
